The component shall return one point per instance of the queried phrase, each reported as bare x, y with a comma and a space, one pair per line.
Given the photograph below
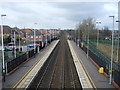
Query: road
59, 70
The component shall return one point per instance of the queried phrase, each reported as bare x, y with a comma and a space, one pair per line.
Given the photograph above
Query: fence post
38, 49
6, 69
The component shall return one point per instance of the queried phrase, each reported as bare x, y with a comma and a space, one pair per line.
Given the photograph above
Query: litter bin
101, 70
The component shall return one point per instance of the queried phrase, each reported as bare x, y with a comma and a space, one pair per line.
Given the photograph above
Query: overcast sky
57, 14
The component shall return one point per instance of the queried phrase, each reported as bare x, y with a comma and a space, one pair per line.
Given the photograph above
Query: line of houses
28, 34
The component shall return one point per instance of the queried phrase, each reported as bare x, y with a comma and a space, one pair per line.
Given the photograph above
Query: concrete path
99, 80
12, 79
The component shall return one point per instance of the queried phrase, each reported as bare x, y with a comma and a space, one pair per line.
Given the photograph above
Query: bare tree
105, 33
87, 24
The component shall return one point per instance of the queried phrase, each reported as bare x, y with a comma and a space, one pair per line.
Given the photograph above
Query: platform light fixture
118, 40
98, 22
34, 37
111, 63
3, 57
88, 40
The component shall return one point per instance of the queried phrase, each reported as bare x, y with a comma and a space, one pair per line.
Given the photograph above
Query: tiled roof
27, 30
44, 31
5, 31
20, 32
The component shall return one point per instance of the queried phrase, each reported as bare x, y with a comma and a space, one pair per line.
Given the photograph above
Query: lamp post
19, 42
110, 80
78, 39
75, 36
14, 45
118, 40
34, 38
53, 35
27, 44
3, 58
50, 35
46, 38
98, 22
88, 41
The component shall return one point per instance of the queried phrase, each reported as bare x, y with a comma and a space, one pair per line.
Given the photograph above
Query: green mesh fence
109, 42
102, 56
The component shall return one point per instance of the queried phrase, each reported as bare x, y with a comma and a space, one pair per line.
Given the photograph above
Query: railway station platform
88, 74
13, 79
99, 80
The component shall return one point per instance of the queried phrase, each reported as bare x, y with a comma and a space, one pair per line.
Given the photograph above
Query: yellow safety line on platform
84, 77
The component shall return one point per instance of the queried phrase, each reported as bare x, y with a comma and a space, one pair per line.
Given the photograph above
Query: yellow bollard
101, 70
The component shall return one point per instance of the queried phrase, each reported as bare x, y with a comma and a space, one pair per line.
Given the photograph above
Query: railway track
36, 83
71, 78
58, 75
58, 71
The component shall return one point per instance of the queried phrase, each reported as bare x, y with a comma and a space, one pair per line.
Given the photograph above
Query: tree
87, 24
17, 39
105, 33
7, 39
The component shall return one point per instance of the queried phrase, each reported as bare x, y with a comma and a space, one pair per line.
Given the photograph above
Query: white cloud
59, 0
56, 15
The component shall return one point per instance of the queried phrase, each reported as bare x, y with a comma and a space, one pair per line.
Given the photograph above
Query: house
45, 34
43, 31
26, 32
30, 35
6, 33
6, 30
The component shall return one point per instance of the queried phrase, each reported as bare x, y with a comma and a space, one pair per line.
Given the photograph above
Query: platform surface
15, 77
84, 78
99, 80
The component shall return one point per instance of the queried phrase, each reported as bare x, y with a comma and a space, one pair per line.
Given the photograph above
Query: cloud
55, 14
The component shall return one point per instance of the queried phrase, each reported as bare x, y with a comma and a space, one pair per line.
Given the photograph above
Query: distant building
40, 35
28, 32
30, 35
6, 30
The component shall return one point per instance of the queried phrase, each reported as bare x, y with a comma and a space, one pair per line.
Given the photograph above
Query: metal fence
102, 56
30, 53
116, 76
108, 42
103, 61
11, 65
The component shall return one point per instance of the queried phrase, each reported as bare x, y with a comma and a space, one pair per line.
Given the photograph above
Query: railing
12, 64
